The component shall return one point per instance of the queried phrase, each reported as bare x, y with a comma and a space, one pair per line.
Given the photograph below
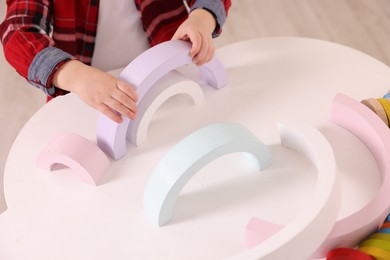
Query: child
52, 43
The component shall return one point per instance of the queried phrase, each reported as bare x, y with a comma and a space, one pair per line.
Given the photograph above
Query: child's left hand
198, 29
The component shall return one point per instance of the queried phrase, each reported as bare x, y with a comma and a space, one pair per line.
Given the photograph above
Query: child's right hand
98, 89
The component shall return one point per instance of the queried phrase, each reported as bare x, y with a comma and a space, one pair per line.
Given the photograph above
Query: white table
53, 215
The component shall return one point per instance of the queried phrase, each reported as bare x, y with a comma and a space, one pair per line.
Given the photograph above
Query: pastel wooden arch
296, 240
190, 155
76, 152
178, 84
373, 132
142, 73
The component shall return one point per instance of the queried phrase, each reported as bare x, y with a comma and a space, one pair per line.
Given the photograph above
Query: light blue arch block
189, 156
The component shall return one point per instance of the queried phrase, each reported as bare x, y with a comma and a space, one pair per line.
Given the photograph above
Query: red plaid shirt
39, 36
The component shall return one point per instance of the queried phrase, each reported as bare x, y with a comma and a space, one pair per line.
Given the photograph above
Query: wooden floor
360, 24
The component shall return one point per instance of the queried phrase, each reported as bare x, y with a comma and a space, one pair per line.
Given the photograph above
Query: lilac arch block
142, 73
76, 152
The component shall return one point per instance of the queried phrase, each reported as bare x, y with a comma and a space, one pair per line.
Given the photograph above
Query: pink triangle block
258, 230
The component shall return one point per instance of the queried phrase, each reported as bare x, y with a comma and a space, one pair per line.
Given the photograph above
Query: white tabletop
53, 215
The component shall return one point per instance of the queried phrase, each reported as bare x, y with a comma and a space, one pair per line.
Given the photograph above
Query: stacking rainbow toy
155, 81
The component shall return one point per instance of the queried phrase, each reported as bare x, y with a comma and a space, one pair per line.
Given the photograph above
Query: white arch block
190, 155
111, 137
76, 152
309, 229
365, 124
142, 73
178, 84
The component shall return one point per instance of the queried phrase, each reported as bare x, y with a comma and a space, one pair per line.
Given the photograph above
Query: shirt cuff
216, 8
43, 67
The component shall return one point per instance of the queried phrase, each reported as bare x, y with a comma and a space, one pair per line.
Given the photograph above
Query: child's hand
98, 89
198, 29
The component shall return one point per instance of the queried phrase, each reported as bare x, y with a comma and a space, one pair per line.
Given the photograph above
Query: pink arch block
365, 124
142, 73
76, 152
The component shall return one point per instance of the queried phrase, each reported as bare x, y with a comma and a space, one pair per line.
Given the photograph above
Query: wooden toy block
386, 106
76, 152
377, 108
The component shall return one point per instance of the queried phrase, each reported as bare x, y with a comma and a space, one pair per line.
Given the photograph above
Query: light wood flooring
360, 24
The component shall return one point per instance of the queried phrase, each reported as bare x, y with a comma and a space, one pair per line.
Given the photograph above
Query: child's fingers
104, 109
179, 35
211, 51
127, 89
126, 101
196, 39
120, 108
206, 52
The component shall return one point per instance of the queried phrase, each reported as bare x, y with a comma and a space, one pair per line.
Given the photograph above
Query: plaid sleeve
218, 8
24, 34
